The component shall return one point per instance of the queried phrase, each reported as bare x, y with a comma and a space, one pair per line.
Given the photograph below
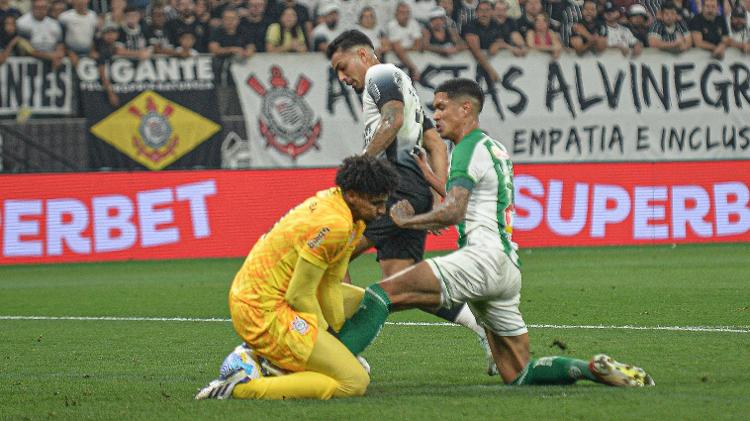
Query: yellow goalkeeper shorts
283, 336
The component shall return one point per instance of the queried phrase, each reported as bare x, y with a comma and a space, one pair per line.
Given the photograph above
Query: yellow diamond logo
154, 131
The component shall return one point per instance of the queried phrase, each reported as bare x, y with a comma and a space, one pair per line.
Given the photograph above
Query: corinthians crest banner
289, 115
166, 116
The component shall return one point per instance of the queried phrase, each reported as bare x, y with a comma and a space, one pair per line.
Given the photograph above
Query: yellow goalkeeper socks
302, 385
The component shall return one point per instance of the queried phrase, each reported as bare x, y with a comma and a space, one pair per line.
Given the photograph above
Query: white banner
657, 107
31, 85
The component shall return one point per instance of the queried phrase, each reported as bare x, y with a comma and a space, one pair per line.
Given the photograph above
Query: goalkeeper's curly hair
365, 174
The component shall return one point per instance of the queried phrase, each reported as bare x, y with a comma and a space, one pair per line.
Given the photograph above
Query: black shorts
392, 242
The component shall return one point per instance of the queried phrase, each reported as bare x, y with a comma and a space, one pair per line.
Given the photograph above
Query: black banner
165, 116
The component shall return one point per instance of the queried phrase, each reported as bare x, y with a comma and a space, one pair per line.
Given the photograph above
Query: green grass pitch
84, 369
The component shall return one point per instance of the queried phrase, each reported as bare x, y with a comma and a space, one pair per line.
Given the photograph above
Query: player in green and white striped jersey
485, 271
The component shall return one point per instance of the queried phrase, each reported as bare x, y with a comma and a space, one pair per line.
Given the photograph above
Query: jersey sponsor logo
300, 325
315, 242
286, 120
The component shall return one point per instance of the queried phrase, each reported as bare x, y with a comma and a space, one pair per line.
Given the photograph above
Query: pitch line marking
726, 329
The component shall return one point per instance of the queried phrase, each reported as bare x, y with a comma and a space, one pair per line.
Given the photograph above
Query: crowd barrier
48, 218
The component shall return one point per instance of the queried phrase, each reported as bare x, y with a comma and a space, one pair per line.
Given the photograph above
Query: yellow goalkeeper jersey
320, 229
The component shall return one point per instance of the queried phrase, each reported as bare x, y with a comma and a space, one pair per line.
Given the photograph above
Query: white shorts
487, 280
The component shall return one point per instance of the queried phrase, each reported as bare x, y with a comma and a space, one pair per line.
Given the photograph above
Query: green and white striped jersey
482, 165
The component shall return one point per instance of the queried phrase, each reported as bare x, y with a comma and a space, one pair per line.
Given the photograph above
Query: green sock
554, 370
364, 326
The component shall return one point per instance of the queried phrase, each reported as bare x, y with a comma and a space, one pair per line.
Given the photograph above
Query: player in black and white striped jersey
396, 126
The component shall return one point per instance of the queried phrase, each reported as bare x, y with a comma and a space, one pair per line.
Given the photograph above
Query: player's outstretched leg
415, 287
601, 369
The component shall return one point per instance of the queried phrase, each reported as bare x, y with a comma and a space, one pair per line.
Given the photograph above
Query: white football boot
613, 373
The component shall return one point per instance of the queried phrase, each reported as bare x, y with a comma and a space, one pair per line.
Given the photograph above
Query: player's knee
360, 383
355, 384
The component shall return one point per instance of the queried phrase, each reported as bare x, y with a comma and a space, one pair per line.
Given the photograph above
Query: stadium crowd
54, 29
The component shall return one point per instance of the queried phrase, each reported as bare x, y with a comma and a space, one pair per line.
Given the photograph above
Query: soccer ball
242, 358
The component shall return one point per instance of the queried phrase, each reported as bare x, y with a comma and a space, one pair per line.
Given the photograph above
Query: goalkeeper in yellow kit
287, 300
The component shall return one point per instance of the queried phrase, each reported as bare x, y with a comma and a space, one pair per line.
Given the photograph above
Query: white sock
466, 318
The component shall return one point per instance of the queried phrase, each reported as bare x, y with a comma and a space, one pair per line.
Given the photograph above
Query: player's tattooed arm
450, 212
391, 120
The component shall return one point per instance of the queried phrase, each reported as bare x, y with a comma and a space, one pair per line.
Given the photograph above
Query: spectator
7, 10
56, 8
216, 9
571, 15
438, 38
530, 10
132, 41
510, 37
514, 9
327, 30
116, 14
368, 24
542, 38
623, 6
739, 32
349, 10
170, 9
421, 10
555, 10
638, 23
710, 31
229, 40
618, 36
745, 5
157, 37
256, 23
465, 11
589, 34
105, 50
484, 34
286, 36
203, 13
667, 34
450, 23
186, 21
303, 15
11, 44
44, 33
405, 34
684, 12
186, 47
80, 24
